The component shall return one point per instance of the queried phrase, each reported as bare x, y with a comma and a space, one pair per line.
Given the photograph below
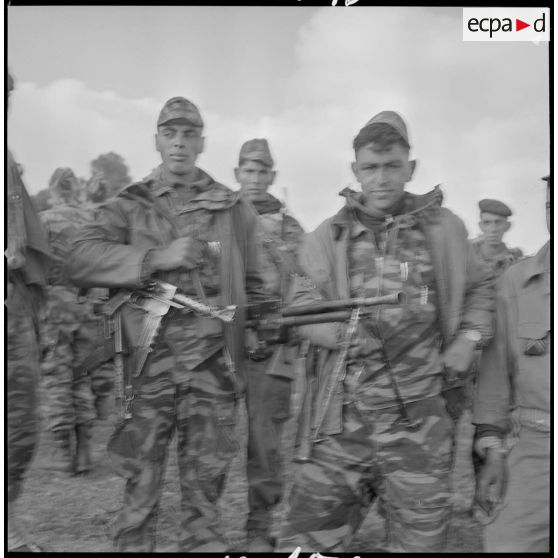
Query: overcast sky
92, 79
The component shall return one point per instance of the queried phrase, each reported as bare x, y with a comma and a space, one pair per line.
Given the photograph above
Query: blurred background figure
28, 259
270, 371
70, 330
494, 224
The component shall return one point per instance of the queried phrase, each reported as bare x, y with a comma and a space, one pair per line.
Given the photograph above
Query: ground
72, 514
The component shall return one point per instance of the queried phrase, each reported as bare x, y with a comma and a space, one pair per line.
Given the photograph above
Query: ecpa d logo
506, 24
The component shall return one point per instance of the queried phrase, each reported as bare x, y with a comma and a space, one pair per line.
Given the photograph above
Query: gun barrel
348, 303
291, 321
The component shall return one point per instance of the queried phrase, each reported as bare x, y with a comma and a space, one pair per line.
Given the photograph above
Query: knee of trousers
417, 507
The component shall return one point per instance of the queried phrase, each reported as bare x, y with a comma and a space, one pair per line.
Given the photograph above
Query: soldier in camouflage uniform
102, 377
269, 372
180, 226
69, 332
386, 432
28, 259
494, 223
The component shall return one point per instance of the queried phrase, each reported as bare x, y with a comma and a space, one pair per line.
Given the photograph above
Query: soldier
492, 251
386, 432
269, 372
102, 377
180, 226
28, 259
489, 246
512, 410
69, 331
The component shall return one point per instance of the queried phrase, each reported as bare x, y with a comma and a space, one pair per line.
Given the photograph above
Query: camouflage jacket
62, 224
25, 233
463, 284
277, 231
281, 236
26, 240
150, 214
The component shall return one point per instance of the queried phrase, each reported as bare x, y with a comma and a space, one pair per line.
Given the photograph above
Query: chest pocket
534, 338
534, 323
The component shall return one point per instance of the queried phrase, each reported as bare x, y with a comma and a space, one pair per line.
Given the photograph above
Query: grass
72, 514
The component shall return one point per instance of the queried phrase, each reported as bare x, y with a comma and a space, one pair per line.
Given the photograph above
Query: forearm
105, 264
492, 401
478, 307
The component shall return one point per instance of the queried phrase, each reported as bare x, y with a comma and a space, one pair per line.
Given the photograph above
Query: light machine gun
272, 321
155, 300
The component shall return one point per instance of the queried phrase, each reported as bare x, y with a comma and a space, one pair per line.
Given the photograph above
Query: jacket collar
210, 194
422, 206
268, 205
202, 182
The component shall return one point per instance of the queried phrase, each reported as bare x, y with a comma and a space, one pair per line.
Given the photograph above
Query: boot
83, 447
260, 542
60, 457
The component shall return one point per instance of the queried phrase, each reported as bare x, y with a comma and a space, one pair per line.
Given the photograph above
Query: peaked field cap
392, 119
179, 108
256, 150
495, 207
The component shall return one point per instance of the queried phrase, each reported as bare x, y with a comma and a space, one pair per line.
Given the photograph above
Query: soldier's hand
458, 358
362, 344
491, 479
185, 252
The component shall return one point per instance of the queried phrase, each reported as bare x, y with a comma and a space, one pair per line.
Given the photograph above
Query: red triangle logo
519, 25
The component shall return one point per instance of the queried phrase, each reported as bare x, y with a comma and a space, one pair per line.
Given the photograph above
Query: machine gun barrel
305, 319
343, 304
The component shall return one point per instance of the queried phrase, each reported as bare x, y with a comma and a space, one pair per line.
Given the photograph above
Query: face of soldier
383, 174
179, 146
493, 227
254, 178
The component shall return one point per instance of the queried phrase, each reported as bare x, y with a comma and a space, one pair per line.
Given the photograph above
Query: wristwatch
473, 335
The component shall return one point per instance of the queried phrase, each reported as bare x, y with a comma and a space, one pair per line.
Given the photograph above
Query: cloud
475, 126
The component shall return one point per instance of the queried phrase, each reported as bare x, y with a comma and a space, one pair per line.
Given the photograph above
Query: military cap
179, 108
256, 150
392, 119
495, 207
546, 178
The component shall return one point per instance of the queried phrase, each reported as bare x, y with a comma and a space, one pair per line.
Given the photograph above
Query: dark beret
496, 207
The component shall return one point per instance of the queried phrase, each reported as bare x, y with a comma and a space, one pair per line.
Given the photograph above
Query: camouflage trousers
68, 336
268, 406
198, 405
375, 456
69, 401
22, 380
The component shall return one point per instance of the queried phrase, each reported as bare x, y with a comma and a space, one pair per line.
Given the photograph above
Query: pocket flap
417, 490
532, 330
